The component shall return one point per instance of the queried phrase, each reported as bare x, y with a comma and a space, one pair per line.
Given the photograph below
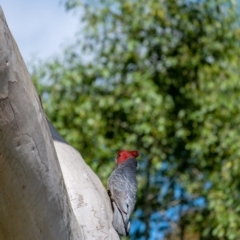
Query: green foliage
162, 77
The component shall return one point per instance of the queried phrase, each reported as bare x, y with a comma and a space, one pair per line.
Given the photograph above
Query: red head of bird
123, 155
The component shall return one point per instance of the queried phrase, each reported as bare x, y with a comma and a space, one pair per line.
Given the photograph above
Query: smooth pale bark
89, 199
38, 199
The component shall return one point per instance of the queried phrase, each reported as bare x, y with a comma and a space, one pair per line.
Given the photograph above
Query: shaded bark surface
34, 200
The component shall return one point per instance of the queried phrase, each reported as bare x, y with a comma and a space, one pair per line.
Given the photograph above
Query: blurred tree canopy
161, 76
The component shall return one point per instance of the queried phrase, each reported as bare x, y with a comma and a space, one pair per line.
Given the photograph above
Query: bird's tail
118, 221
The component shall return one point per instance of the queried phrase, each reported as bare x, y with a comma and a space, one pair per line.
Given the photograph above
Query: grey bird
122, 185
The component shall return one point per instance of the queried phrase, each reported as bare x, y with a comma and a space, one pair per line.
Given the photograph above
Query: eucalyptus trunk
46, 189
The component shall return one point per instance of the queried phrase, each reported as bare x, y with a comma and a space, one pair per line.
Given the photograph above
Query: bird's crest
123, 155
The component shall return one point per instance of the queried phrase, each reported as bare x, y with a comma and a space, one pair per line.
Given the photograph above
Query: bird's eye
119, 155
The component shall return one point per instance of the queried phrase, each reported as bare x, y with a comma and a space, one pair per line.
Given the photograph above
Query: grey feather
122, 185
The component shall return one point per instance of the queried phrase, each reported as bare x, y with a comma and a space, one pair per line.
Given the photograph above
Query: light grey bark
44, 193
89, 199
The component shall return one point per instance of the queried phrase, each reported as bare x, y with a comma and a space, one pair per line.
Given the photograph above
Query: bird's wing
118, 223
117, 185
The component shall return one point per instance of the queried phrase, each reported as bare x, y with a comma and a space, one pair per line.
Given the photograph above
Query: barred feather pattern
122, 185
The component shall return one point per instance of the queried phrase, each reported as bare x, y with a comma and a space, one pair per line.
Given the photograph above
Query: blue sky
40, 28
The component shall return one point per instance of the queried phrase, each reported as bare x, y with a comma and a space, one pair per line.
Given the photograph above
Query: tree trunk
46, 192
